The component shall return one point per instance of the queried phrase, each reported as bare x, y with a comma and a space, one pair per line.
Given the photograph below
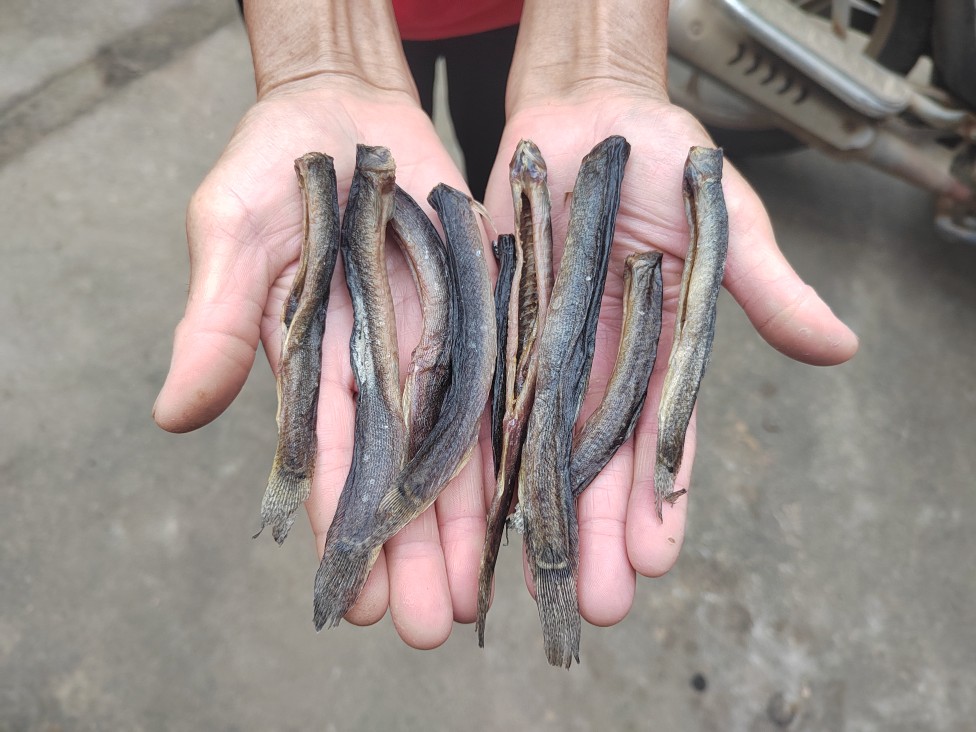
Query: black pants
477, 72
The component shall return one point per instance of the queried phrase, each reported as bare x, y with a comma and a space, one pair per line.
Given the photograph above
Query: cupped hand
244, 229
620, 534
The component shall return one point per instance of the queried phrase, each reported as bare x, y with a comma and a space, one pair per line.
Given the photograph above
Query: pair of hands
244, 230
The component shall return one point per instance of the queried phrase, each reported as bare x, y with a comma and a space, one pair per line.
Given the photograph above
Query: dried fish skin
611, 425
701, 281
300, 362
429, 371
446, 448
566, 348
380, 439
526, 312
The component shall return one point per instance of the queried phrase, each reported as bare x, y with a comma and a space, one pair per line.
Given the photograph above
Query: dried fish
380, 441
565, 355
504, 249
300, 362
614, 420
694, 326
429, 371
526, 313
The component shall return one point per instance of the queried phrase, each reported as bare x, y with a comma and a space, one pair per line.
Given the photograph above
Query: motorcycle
891, 84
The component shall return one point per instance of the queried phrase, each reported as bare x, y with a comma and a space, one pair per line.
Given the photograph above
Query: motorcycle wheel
954, 47
897, 33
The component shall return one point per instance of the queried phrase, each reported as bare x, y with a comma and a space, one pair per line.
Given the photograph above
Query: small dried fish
566, 348
614, 420
526, 313
694, 326
504, 249
380, 441
429, 371
300, 363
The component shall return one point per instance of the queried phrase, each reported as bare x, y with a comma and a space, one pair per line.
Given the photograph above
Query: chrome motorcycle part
810, 85
895, 32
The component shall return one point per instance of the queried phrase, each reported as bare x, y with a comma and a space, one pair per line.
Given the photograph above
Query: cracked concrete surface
825, 582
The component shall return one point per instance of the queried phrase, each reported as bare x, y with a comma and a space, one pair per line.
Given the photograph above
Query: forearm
571, 47
353, 41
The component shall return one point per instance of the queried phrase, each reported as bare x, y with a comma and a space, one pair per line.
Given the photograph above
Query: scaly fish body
429, 372
380, 441
614, 420
300, 362
504, 249
694, 329
566, 348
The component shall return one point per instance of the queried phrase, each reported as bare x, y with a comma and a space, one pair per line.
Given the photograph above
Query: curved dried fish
300, 363
429, 371
614, 420
446, 448
526, 314
566, 348
694, 329
379, 446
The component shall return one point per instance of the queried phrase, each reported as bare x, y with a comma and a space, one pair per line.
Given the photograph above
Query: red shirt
425, 20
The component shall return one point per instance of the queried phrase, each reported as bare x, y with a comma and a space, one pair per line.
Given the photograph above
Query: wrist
353, 43
570, 50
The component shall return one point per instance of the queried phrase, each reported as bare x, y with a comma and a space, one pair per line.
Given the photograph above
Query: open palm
244, 229
620, 534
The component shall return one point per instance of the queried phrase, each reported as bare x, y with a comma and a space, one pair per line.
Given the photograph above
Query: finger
462, 517
653, 545
216, 340
231, 273
420, 600
606, 578
788, 313
335, 426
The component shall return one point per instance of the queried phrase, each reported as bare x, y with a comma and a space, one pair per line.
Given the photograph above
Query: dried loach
429, 372
300, 362
380, 437
504, 250
522, 317
565, 355
614, 420
694, 326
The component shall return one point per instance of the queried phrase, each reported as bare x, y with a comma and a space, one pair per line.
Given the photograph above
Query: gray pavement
827, 577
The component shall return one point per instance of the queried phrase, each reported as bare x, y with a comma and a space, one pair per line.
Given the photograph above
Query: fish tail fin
497, 521
559, 613
664, 490
285, 493
339, 580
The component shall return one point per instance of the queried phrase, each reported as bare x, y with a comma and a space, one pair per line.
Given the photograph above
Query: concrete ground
827, 577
